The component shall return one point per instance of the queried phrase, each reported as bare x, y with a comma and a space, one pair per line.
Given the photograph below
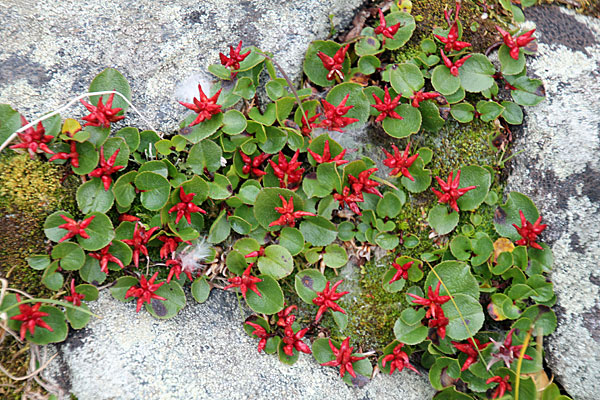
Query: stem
520, 362
66, 106
55, 302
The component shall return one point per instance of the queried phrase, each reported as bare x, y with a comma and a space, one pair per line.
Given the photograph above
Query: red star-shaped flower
349, 199
326, 157
506, 351
383, 29
454, 66
206, 107
515, 43
234, 59
170, 245
439, 322
334, 115
288, 215
252, 165
470, 349
33, 140
75, 228
73, 155
258, 253
245, 282
420, 96
289, 173
529, 232
434, 301
294, 341
327, 299
334, 64
398, 360
386, 106
185, 207
261, 332
285, 316
139, 241
105, 257
503, 385
400, 163
107, 168
30, 317
401, 271
450, 190
451, 41
102, 115
75, 297
145, 291
307, 123
343, 358
363, 183
177, 269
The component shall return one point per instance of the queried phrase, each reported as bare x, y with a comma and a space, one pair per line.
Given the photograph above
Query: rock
201, 353
559, 170
52, 50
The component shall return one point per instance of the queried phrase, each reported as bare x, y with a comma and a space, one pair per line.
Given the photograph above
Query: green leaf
122, 285
291, 239
318, 231
313, 66
90, 292
78, 319
123, 189
220, 229
421, 176
42, 336
368, 44
277, 262
432, 121
443, 81
471, 312
442, 221
10, 121
529, 92
368, 64
460, 246
71, 256
387, 240
473, 175
156, 166
131, 136
244, 88
407, 27
271, 299
409, 334
476, 73
267, 118
234, 122
335, 256
457, 96
91, 272
307, 283
100, 231
389, 205
513, 114
406, 79
111, 79
462, 112
175, 301
202, 130
284, 358
276, 139
206, 154
88, 158
399, 128
267, 200
508, 214
147, 140
38, 262
456, 276
200, 289
156, 190
489, 110
276, 88
91, 196
357, 99
51, 279
510, 66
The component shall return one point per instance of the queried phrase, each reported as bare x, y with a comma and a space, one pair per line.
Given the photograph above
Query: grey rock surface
52, 50
202, 353
559, 170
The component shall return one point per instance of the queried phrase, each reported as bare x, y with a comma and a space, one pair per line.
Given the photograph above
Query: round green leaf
89, 291
399, 128
277, 262
462, 112
335, 256
509, 65
318, 231
42, 336
156, 190
508, 214
395, 286
175, 301
200, 131
313, 66
489, 110
406, 79
308, 282
284, 358
432, 121
421, 176
410, 334
442, 221
123, 189
271, 299
389, 205
471, 312
368, 44
291, 239
71, 256
529, 92
88, 158
357, 99
100, 231
476, 73
455, 97
78, 319
200, 289
91, 196
456, 276
122, 285
387, 240
460, 246
267, 200
38, 262
220, 229
368, 64
407, 27
234, 122
131, 136
443, 81
473, 175
91, 272
513, 114
111, 79
206, 154
51, 279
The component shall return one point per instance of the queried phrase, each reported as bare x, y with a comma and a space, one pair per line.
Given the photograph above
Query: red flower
454, 66
33, 140
102, 115
285, 316
307, 124
334, 116
258, 253
73, 155
401, 271
128, 218
399, 360
170, 245
434, 301
288, 215
529, 232
400, 163
245, 282
288, 172
349, 199
451, 191
515, 43
75, 228
326, 157
387, 106
294, 341
206, 107
107, 168
327, 299
185, 207
252, 165
145, 291
334, 64
383, 29
343, 358
234, 59
451, 42
75, 297
177, 269
139, 241
105, 257
30, 317
439, 322
470, 350
503, 385
506, 351
261, 333
363, 183
420, 96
